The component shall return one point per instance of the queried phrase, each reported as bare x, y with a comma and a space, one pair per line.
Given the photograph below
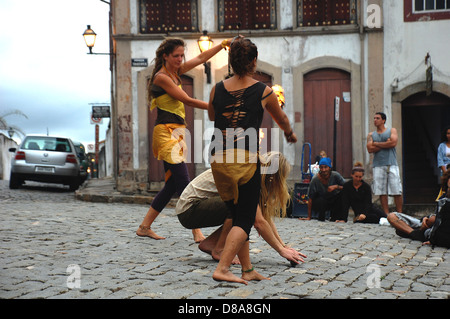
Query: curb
103, 191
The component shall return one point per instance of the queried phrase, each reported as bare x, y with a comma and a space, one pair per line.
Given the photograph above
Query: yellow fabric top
167, 103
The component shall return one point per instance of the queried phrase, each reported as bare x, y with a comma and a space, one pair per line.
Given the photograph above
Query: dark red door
320, 89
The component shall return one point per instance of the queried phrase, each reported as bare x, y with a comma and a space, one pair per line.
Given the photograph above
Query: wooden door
320, 89
156, 167
424, 118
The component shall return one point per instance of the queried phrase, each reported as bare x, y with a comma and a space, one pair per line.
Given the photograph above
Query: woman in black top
237, 105
357, 194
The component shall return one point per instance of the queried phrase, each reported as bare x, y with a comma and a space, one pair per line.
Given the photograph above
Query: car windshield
46, 143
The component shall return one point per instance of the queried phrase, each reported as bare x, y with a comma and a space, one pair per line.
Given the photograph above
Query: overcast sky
44, 69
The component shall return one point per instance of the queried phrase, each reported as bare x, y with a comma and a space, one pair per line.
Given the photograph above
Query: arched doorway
320, 89
423, 119
156, 168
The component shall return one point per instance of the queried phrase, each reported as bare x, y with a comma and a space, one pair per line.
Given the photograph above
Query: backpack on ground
440, 232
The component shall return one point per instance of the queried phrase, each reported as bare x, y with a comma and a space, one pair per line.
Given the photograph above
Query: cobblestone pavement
54, 246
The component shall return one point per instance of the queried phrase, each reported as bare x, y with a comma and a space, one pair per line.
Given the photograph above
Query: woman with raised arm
165, 94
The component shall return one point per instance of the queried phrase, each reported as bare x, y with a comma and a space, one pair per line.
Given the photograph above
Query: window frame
410, 15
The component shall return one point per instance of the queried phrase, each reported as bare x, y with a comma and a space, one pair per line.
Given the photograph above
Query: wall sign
143, 62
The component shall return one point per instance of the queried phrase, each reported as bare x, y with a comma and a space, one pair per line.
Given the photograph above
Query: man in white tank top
386, 175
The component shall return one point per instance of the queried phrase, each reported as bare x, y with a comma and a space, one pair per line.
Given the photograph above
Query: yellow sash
169, 143
167, 103
230, 174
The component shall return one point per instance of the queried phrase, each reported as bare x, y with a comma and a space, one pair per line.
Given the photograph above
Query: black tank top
238, 115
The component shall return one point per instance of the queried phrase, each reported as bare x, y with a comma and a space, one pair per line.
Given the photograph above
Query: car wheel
73, 186
14, 181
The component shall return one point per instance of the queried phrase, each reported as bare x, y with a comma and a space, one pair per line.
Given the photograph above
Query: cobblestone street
54, 246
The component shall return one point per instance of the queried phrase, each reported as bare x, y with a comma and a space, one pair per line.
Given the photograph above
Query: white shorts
409, 220
386, 180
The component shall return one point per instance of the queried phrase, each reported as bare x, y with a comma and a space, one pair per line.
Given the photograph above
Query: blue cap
325, 161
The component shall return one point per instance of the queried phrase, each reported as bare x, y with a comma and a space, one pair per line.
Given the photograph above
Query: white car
43, 158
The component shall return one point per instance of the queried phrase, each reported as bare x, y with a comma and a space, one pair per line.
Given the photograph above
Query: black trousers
331, 202
244, 212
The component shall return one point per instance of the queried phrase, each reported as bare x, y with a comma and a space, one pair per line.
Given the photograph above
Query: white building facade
368, 54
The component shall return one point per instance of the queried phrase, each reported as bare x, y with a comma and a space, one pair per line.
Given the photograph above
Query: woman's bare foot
228, 276
198, 235
146, 231
253, 275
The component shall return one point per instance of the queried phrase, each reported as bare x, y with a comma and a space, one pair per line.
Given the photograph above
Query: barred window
326, 12
163, 16
247, 14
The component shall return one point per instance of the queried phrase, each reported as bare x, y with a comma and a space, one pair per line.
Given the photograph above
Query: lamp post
90, 37
205, 43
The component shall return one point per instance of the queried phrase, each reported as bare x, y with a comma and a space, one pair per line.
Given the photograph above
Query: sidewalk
103, 190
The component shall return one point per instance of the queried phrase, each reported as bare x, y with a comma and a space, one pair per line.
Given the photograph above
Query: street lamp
89, 37
205, 43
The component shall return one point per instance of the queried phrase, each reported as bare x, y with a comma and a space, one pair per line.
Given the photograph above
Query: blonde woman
201, 206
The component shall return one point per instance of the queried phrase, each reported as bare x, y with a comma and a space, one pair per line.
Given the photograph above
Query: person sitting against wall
324, 192
357, 194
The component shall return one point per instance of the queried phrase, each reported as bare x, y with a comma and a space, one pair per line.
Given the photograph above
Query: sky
45, 71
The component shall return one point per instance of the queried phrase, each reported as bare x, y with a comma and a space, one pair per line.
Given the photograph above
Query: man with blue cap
324, 192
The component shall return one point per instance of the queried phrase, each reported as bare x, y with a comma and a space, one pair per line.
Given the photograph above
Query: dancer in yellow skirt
167, 96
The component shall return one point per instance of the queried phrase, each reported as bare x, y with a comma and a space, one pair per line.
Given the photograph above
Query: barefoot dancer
167, 95
237, 106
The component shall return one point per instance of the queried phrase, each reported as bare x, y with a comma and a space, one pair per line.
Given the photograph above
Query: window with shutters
326, 12
247, 15
164, 16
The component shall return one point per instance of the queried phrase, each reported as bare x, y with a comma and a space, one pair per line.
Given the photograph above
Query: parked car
43, 158
82, 158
